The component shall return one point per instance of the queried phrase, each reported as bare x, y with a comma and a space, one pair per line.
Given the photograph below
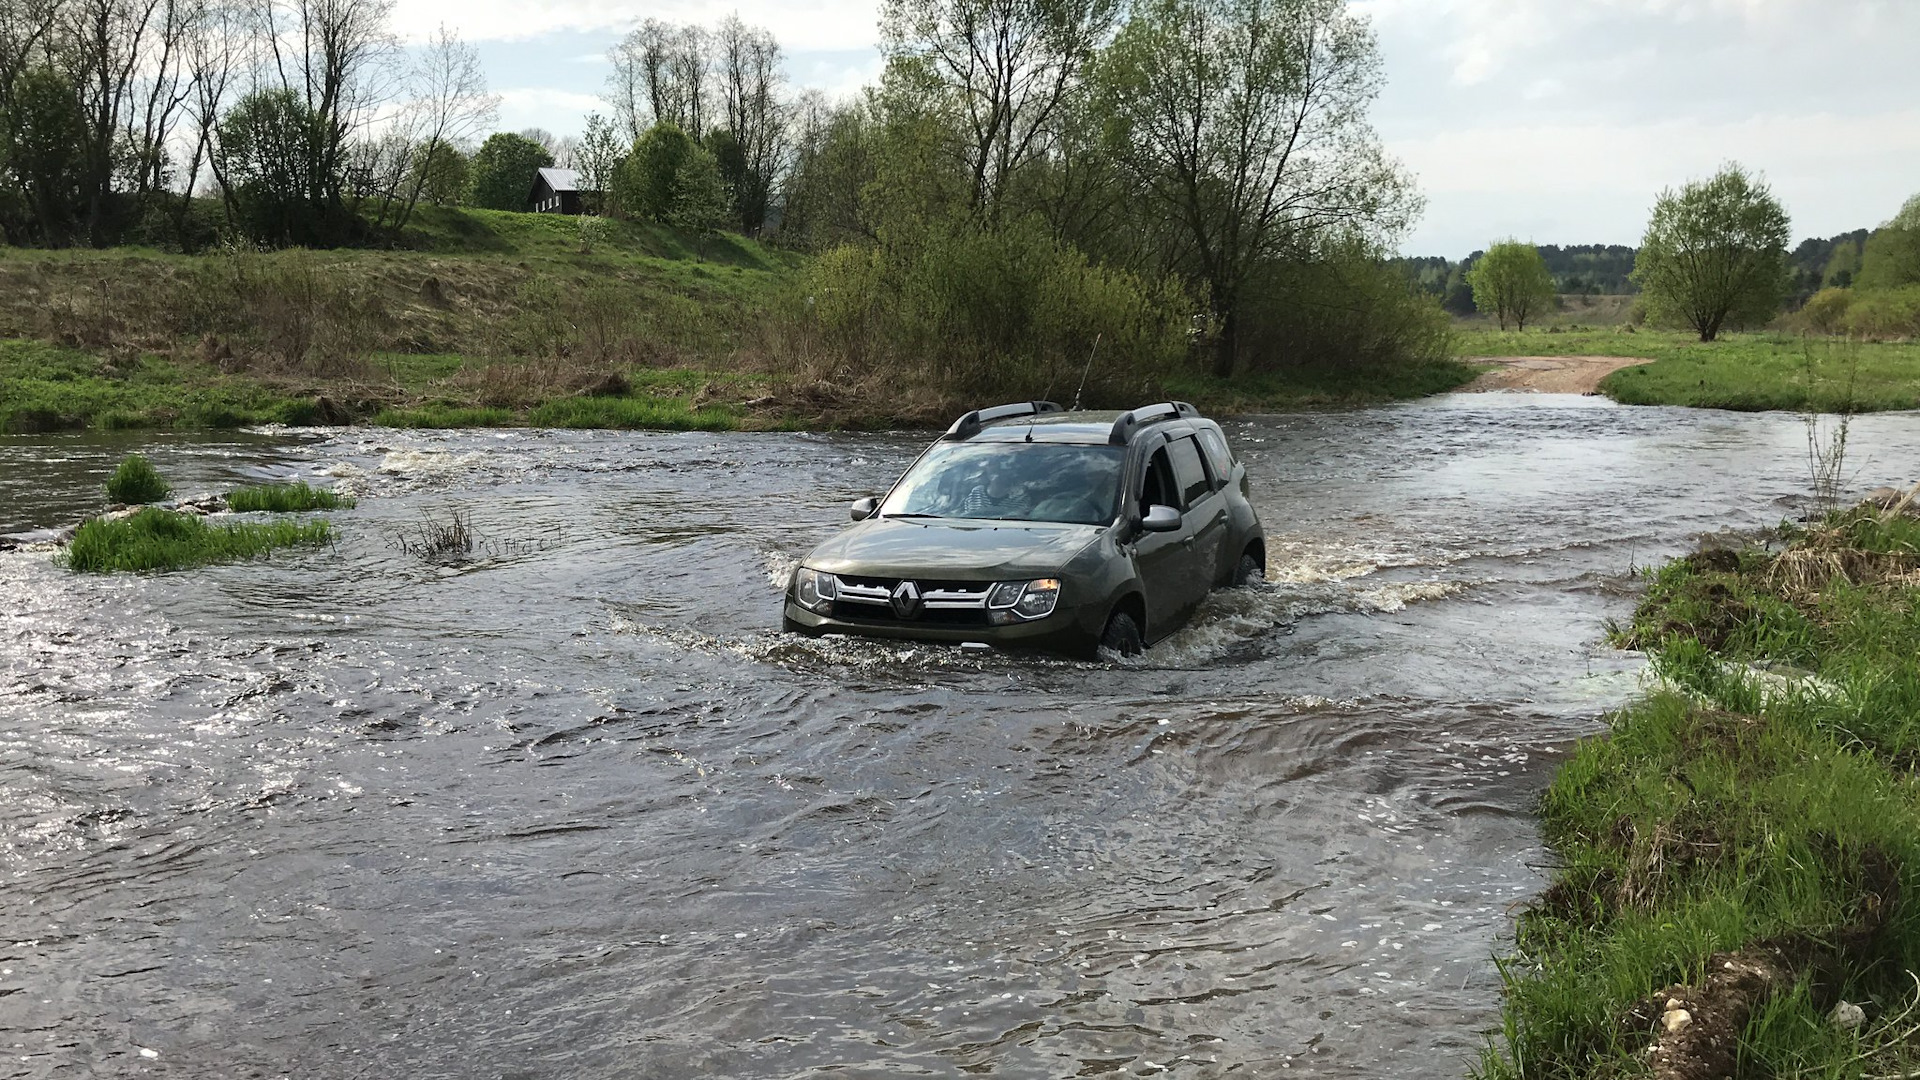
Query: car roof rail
970, 424
1123, 428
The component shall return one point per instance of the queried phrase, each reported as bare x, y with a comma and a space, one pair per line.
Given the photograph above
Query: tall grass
285, 498
155, 539
621, 412
136, 481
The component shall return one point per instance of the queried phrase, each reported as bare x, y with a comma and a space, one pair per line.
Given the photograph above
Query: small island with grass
139, 537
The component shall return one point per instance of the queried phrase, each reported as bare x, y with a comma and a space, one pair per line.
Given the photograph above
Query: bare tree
450, 106
217, 51
639, 88
1007, 66
755, 116
690, 64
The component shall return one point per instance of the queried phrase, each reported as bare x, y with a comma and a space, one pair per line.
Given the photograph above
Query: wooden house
557, 191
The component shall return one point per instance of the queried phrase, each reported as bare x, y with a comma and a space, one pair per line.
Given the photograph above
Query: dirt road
1548, 374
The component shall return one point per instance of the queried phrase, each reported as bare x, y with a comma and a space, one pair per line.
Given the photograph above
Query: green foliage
672, 180
502, 171
1825, 312
445, 416
1714, 255
1892, 256
1344, 307
442, 171
135, 482
1741, 810
47, 388
1511, 282
1009, 311
272, 149
43, 146
1885, 313
284, 498
155, 539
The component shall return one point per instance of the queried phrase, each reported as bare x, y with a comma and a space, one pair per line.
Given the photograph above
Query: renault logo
906, 600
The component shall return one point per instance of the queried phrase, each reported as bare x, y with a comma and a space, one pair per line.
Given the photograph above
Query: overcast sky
1557, 121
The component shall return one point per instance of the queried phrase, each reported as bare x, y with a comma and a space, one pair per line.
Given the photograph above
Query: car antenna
1088, 371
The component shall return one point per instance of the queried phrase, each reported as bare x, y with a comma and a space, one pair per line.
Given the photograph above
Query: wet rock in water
8, 543
1847, 1016
201, 505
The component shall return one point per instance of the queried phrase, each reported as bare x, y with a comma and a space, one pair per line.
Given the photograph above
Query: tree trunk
1226, 343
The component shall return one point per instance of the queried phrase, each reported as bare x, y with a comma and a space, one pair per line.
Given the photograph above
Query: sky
1555, 121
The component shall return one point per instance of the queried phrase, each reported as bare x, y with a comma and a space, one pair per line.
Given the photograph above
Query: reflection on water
576, 808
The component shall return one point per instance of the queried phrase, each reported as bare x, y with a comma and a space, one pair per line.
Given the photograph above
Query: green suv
1026, 526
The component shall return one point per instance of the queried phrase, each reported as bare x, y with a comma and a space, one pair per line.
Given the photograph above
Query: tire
1251, 571
1122, 635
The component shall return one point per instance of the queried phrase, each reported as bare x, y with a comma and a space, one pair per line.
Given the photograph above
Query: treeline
1577, 270
304, 118
1868, 283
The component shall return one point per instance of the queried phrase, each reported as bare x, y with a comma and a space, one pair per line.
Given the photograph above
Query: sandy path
1548, 374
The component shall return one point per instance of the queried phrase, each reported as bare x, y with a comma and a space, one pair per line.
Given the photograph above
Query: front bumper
1058, 633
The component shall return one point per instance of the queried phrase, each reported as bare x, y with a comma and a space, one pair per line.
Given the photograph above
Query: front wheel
1122, 635
1251, 571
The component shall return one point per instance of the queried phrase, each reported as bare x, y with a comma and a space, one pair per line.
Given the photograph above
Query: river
575, 808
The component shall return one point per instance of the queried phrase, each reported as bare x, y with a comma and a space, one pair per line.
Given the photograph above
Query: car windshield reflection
1001, 481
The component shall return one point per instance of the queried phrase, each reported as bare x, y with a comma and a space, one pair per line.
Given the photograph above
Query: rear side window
1189, 473
1217, 454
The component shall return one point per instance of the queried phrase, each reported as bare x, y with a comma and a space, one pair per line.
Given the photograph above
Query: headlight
1022, 601
815, 591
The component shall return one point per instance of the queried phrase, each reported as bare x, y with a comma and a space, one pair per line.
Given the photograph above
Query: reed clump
136, 482
155, 539
285, 498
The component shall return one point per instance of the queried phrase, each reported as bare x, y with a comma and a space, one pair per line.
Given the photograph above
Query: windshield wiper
912, 515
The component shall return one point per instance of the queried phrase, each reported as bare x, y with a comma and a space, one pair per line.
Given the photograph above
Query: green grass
673, 414
1740, 811
136, 481
50, 388
155, 539
1312, 386
1743, 372
284, 498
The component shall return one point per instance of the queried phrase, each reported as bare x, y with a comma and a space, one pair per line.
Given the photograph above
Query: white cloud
831, 25
562, 112
1596, 182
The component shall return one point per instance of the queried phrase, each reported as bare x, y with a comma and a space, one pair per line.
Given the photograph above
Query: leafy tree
502, 171
1892, 256
41, 145
1715, 254
1511, 282
1243, 123
670, 179
266, 150
598, 160
439, 171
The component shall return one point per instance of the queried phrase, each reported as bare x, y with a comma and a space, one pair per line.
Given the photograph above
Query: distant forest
1606, 269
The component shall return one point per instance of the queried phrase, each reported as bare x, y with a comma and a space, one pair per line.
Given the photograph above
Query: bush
1885, 313
284, 498
1008, 312
1826, 311
1343, 309
155, 539
136, 482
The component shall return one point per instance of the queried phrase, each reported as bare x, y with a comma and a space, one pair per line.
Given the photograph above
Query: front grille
942, 603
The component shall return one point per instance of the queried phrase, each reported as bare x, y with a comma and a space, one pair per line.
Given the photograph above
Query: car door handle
1188, 542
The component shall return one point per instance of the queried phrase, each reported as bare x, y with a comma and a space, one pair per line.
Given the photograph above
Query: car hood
956, 550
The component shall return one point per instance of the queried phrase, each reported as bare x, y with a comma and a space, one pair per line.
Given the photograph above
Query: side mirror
864, 508
1160, 519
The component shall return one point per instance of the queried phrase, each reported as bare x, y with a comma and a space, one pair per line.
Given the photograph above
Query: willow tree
1511, 282
1715, 254
1245, 122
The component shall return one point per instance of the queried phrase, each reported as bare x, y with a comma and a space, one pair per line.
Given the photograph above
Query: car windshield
1011, 482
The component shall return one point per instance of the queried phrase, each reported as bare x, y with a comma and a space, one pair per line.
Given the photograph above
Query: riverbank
1737, 858
496, 319
1742, 372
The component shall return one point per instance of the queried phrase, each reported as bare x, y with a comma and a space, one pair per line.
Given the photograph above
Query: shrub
1826, 311
136, 482
1886, 313
284, 498
155, 539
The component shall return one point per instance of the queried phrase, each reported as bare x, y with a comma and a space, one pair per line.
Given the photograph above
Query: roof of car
1053, 425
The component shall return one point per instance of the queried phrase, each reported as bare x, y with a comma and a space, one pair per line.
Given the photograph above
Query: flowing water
574, 808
